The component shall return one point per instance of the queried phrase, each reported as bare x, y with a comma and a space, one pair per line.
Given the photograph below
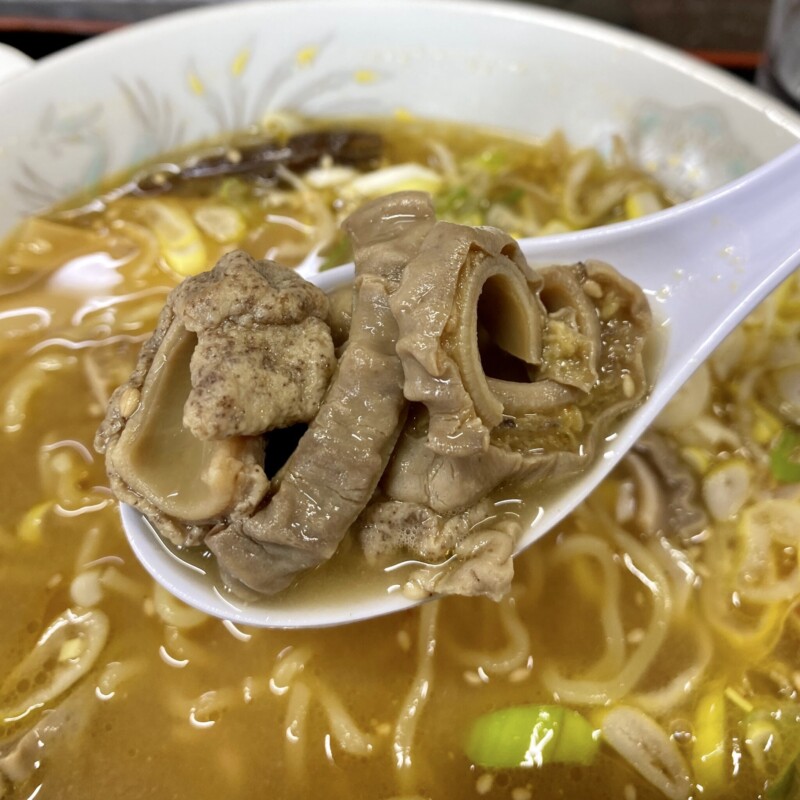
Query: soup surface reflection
663, 614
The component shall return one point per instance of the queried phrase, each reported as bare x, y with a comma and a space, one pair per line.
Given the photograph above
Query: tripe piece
333, 472
202, 362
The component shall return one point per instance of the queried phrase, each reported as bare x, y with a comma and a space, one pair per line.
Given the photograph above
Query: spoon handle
730, 249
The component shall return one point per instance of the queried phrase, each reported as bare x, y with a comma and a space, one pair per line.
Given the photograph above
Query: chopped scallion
493, 160
784, 459
530, 736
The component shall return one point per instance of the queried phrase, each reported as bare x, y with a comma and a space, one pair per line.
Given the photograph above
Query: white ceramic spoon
704, 265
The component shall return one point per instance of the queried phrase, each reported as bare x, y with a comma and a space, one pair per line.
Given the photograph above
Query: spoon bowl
704, 265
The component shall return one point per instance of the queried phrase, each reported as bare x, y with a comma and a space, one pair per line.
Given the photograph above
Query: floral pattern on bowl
690, 150
230, 101
124, 98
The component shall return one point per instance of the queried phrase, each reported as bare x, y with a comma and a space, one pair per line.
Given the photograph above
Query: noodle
661, 701
296, 731
350, 738
27, 382
587, 546
303, 689
145, 255
507, 659
680, 569
579, 211
182, 648
417, 696
291, 662
584, 691
63, 472
115, 673
89, 548
175, 613
123, 585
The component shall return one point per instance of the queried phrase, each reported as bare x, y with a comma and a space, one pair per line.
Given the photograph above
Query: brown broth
151, 737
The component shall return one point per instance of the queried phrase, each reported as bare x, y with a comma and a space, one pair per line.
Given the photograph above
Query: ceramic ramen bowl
134, 716
104, 106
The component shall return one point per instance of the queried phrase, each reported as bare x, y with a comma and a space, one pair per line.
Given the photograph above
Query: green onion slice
784, 459
530, 736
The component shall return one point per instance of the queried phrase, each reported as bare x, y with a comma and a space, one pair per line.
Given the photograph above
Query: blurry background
729, 33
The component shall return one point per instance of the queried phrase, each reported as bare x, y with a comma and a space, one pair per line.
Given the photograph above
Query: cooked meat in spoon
462, 370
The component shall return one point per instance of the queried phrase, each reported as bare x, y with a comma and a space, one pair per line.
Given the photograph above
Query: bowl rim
642, 45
